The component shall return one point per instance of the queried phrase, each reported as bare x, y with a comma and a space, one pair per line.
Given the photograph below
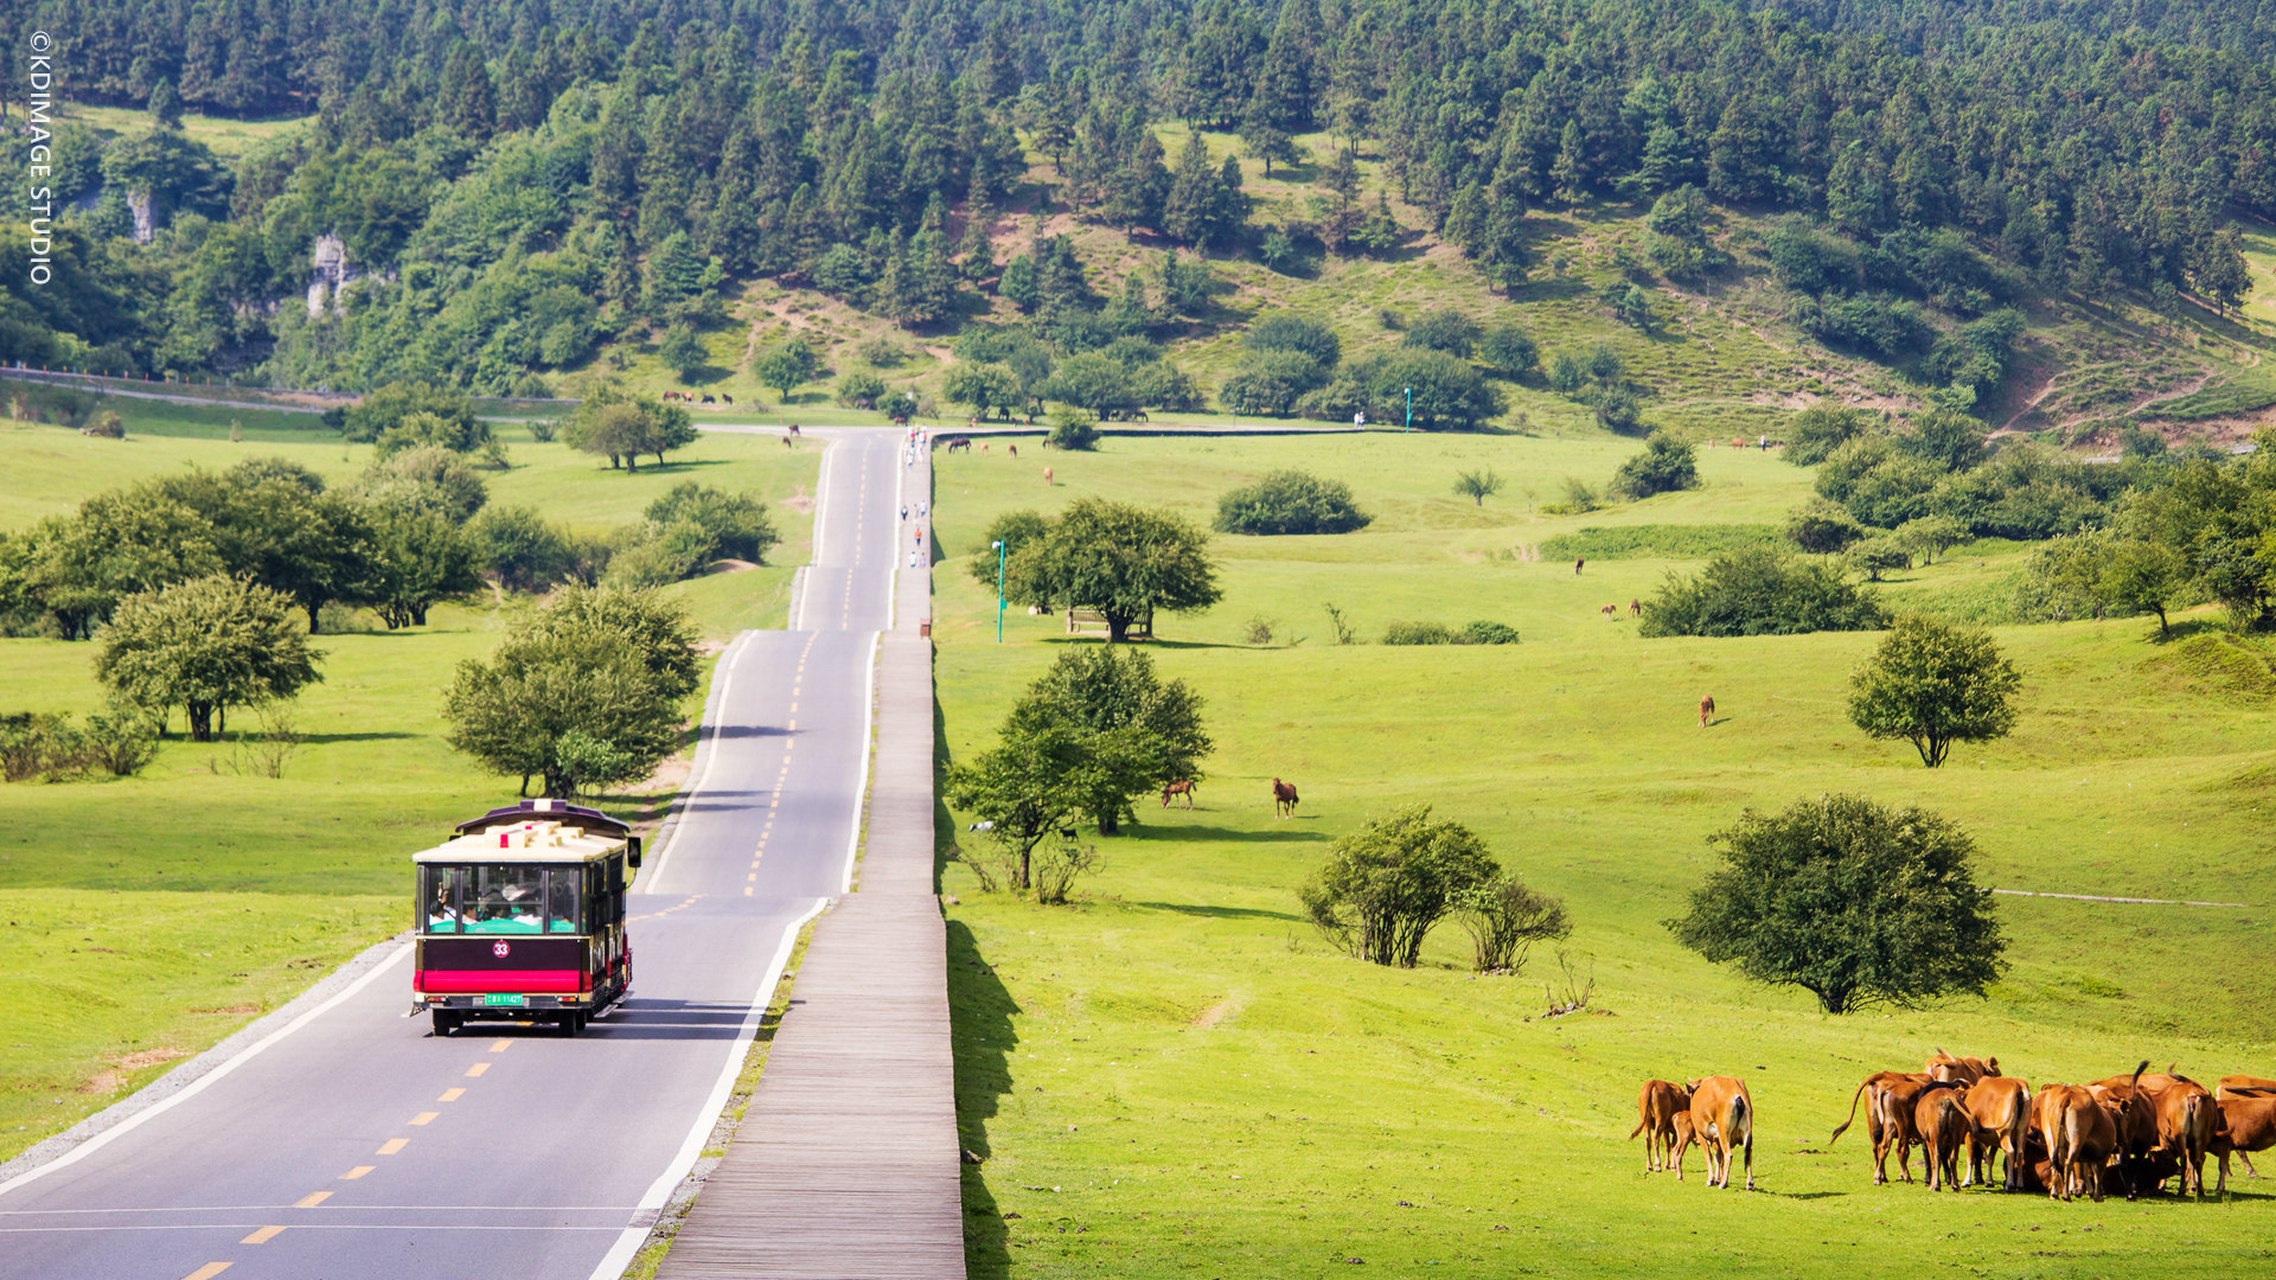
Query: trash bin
925, 628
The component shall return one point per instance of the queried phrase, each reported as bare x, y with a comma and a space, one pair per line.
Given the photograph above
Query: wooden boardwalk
846, 1165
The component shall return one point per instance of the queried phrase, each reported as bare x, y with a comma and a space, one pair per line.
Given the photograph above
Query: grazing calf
1011, 449
1635, 607
1658, 1104
1722, 1121
1608, 611
1181, 787
1047, 478
1706, 710
724, 398
1999, 1115
1283, 798
1900, 1127
1943, 1127
1578, 561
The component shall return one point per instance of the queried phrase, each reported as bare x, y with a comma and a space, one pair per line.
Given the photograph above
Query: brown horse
1706, 710
1608, 611
1047, 478
1578, 561
1635, 607
1181, 787
1283, 799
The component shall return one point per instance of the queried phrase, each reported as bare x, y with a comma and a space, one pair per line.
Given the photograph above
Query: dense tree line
518, 182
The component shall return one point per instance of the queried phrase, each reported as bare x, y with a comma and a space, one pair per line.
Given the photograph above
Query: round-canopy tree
1856, 903
206, 645
1935, 684
1140, 731
1384, 885
1122, 560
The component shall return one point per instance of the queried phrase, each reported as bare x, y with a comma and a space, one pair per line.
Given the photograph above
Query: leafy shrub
1665, 466
1386, 885
656, 556
1072, 430
733, 525
1290, 502
1486, 633
1444, 329
1821, 528
1509, 350
118, 742
105, 424
1759, 592
1418, 633
1448, 393
860, 389
1820, 429
1504, 918
1271, 382
1295, 333
1618, 411
521, 548
1878, 555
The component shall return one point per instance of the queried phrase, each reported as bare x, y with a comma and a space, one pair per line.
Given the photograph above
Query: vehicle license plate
494, 1000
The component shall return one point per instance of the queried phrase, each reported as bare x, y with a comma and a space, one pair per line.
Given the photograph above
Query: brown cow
1635, 607
2186, 1119
1181, 787
1283, 798
1658, 1104
2247, 1124
1722, 1121
1960, 1070
1999, 1115
1899, 1103
1943, 1126
2247, 1086
1707, 716
2080, 1132
1871, 1090
2141, 1163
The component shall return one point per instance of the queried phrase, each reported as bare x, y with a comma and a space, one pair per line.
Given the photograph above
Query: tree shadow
945, 847
980, 1012
1217, 835
2183, 628
1221, 913
319, 739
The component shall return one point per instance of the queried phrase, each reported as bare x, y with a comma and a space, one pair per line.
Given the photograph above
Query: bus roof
528, 841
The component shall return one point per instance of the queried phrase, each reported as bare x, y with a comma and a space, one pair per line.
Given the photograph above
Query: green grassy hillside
1179, 1076
148, 917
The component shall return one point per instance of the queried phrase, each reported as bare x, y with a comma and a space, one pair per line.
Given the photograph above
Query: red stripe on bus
465, 980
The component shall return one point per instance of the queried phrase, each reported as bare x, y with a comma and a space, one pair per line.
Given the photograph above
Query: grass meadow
146, 918
1177, 1076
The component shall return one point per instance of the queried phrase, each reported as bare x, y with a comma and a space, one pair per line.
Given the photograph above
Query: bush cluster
1290, 502
1760, 591
116, 743
1440, 633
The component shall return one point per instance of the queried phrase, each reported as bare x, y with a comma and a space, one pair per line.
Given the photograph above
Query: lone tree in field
1477, 485
1856, 903
1122, 560
1033, 786
785, 367
585, 693
206, 645
1934, 684
1384, 885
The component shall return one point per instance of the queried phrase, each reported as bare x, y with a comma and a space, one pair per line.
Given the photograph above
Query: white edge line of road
868, 749
659, 1193
394, 950
706, 749
821, 489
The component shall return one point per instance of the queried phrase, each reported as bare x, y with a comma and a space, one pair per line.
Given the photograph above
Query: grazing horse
1012, 449
1635, 607
1578, 561
983, 446
1181, 787
1047, 475
1706, 710
794, 428
1283, 798
1609, 611
724, 398
709, 400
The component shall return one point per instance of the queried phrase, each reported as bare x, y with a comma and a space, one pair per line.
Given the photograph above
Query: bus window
563, 887
505, 898
441, 895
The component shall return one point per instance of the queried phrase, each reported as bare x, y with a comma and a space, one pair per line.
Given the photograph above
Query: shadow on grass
980, 1011
945, 848
316, 739
2183, 628
1221, 913
1217, 834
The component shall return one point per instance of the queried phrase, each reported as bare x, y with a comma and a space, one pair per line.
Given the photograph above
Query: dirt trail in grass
2091, 897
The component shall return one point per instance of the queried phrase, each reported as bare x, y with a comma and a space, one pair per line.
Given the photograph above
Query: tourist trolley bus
521, 916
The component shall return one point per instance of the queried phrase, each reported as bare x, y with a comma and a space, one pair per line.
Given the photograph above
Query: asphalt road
356, 1144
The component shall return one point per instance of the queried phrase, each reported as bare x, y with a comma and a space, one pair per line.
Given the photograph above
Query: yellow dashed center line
425, 1117
208, 1271
393, 1145
449, 1095
500, 1046
263, 1236
357, 1172
312, 1199
478, 1068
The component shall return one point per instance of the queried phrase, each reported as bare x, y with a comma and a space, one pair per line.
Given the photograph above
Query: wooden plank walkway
846, 1164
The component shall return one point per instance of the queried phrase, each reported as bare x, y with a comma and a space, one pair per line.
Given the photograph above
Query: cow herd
2131, 1132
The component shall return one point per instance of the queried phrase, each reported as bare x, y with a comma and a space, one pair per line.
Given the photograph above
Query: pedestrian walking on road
921, 509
